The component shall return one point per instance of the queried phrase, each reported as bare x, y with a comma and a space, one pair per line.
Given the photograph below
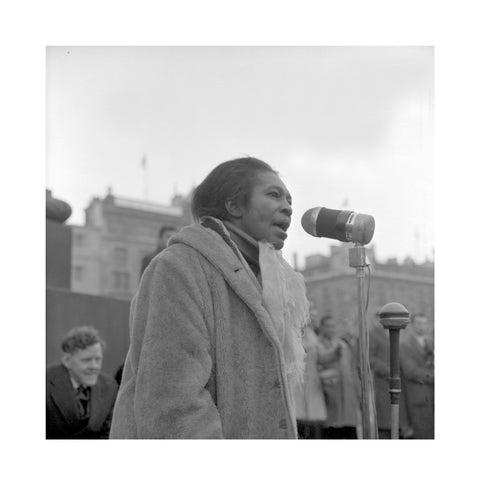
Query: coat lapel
63, 395
238, 276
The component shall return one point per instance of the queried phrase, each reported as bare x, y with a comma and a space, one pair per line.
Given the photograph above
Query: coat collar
216, 245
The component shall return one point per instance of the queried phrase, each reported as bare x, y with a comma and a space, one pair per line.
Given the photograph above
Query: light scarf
284, 297
284, 294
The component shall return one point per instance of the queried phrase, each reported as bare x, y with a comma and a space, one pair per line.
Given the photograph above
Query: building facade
107, 251
332, 285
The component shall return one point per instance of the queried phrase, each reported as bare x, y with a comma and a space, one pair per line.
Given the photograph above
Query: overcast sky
346, 127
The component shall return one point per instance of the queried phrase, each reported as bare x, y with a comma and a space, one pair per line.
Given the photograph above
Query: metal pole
363, 356
358, 260
394, 317
145, 183
395, 388
144, 168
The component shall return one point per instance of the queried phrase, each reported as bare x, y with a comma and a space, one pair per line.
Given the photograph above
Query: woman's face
266, 215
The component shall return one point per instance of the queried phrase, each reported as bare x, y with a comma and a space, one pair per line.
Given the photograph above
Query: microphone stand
358, 260
394, 317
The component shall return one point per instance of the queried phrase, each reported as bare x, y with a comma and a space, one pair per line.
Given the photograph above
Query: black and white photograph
234, 236
240, 241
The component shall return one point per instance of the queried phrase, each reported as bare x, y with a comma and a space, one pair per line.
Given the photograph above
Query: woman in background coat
309, 397
216, 323
341, 383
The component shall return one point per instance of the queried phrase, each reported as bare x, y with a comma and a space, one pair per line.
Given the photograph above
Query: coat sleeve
170, 351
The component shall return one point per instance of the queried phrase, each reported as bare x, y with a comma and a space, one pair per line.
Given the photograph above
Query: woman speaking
216, 323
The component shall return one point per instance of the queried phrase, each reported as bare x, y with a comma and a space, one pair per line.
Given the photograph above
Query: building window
121, 280
120, 256
78, 273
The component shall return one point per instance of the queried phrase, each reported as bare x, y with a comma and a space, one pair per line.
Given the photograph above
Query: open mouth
282, 225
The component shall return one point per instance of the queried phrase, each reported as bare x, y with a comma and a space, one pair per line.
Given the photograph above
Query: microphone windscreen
363, 227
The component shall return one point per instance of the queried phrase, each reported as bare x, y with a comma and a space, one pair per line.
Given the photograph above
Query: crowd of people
328, 404
216, 347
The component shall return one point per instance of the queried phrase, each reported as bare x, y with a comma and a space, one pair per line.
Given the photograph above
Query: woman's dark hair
230, 180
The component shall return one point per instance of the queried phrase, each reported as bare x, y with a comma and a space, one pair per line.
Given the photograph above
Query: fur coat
204, 359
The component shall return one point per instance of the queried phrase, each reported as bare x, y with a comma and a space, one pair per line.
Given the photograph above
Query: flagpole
145, 187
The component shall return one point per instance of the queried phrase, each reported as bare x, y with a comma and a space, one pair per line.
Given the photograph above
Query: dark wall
109, 316
59, 254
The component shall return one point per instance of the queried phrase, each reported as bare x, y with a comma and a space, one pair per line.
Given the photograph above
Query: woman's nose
287, 208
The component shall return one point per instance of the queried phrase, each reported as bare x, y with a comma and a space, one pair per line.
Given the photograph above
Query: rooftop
147, 206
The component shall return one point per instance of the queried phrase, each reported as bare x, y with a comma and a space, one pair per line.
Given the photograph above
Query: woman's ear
233, 208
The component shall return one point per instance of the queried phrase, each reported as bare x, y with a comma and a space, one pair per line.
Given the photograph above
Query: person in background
80, 397
216, 323
339, 375
165, 233
118, 373
309, 396
379, 355
417, 364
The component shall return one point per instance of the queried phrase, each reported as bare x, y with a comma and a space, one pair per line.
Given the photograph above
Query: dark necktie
83, 395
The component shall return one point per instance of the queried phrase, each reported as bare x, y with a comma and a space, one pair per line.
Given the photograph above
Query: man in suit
417, 362
80, 397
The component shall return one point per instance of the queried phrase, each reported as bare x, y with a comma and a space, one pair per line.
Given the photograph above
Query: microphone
346, 226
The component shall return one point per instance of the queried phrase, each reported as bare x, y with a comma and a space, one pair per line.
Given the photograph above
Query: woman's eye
274, 194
